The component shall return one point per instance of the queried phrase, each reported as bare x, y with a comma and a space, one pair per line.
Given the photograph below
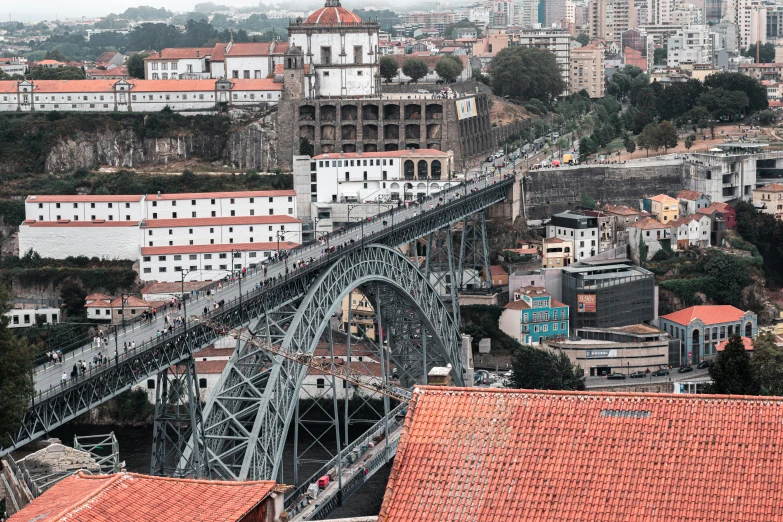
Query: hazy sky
36, 10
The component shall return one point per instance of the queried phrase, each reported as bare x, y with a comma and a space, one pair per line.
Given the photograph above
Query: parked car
490, 159
661, 372
620, 376
638, 375
685, 369
703, 364
501, 164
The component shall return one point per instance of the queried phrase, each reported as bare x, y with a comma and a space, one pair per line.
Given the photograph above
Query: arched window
435, 169
749, 329
422, 169
409, 170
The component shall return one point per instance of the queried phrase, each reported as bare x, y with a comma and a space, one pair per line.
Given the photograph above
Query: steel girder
64, 403
247, 419
474, 253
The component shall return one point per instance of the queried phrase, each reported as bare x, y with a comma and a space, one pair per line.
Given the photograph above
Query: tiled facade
533, 316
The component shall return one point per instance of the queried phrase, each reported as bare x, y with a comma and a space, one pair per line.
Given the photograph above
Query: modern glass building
608, 295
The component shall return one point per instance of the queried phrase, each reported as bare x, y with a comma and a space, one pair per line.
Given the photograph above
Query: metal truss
64, 403
474, 254
177, 421
247, 418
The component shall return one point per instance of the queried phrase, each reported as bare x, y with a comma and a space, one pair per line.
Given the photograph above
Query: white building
339, 52
690, 45
693, 230
750, 17
203, 96
254, 59
556, 42
579, 228
175, 63
65, 237
23, 315
84, 208
219, 230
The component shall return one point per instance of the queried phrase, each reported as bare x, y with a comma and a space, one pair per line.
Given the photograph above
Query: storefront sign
586, 303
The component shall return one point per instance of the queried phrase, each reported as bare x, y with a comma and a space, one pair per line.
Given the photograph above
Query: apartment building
587, 69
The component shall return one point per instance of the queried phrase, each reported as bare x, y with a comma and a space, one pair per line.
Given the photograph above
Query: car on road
490, 159
703, 364
661, 372
619, 376
638, 375
501, 164
685, 369
423, 91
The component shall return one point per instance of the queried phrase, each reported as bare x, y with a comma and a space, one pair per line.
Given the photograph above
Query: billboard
585, 303
466, 108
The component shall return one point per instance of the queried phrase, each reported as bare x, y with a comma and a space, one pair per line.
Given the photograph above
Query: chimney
359, 152
198, 54
159, 193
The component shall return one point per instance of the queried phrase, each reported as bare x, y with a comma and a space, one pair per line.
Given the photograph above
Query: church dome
333, 14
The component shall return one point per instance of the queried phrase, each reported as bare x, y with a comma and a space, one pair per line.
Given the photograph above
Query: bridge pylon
474, 254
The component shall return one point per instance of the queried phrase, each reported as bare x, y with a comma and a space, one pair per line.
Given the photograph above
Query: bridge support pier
177, 419
440, 268
474, 254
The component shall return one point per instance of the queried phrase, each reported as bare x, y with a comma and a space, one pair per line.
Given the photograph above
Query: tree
723, 104
16, 383
648, 138
666, 134
642, 250
731, 371
55, 55
588, 201
135, 65
73, 295
449, 68
767, 364
415, 69
735, 81
583, 39
526, 72
534, 369
659, 56
766, 117
766, 53
56, 73
698, 116
585, 149
388, 68
629, 144
689, 141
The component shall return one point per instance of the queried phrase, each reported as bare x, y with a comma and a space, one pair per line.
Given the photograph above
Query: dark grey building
609, 295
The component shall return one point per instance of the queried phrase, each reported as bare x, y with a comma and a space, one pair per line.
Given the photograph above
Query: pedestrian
64, 379
133, 345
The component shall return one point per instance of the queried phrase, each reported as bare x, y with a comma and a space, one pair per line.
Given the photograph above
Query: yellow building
769, 199
587, 69
362, 315
665, 208
557, 253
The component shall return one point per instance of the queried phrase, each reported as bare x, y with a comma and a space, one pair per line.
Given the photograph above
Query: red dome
333, 15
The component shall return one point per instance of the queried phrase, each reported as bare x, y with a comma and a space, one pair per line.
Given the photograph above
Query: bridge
242, 430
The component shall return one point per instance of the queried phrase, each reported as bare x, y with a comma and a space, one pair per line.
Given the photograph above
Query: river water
136, 450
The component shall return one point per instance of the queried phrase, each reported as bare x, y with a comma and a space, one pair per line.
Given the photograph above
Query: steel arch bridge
245, 423
247, 419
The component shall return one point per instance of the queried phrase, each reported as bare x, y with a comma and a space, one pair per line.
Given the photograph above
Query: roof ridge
81, 502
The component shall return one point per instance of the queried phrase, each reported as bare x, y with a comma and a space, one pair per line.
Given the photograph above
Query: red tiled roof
517, 305
661, 198
130, 302
210, 249
231, 220
69, 223
211, 351
333, 16
649, 223
89, 198
210, 367
176, 53
517, 455
130, 496
95, 297
219, 195
385, 154
257, 49
709, 314
256, 84
115, 71
772, 187
106, 57
621, 210
746, 341
218, 53
497, 270
690, 195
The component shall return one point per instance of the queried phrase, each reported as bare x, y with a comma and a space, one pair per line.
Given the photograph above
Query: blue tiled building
533, 316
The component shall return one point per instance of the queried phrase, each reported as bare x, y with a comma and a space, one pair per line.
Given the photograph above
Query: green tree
16, 383
388, 68
723, 104
766, 117
643, 250
449, 68
731, 371
648, 138
689, 141
135, 65
585, 148
736, 81
582, 38
698, 116
55, 55
73, 295
526, 72
767, 364
766, 53
667, 135
534, 369
629, 144
56, 73
659, 56
415, 69
588, 201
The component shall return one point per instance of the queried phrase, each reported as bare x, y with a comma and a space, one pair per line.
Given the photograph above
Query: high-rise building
557, 42
660, 12
587, 69
554, 12
609, 18
714, 10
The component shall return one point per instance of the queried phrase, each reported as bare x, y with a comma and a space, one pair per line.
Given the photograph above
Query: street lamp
123, 297
183, 273
362, 225
351, 207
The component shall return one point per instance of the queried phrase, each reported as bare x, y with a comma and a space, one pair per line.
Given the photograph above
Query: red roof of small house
708, 314
114, 71
661, 198
649, 223
690, 195
497, 270
772, 187
106, 57
257, 49
469, 454
130, 496
746, 341
176, 53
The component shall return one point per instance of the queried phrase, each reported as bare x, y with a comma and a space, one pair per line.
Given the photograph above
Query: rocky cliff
248, 143
64, 142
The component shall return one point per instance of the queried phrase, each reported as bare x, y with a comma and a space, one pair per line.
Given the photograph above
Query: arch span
247, 418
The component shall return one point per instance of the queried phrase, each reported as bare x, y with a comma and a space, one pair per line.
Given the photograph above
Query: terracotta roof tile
82, 199
772, 187
256, 84
219, 195
176, 53
226, 247
130, 496
497, 270
210, 367
661, 198
746, 341
649, 223
517, 305
333, 16
690, 195
709, 314
480, 454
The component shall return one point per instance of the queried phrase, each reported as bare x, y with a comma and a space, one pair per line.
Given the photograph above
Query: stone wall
58, 458
549, 191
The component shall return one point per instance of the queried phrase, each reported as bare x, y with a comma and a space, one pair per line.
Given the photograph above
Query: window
151, 382
193, 257
147, 259
161, 258
319, 383
147, 270
207, 267
222, 256
207, 256
178, 257
202, 382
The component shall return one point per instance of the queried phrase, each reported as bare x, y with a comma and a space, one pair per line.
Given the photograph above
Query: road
50, 376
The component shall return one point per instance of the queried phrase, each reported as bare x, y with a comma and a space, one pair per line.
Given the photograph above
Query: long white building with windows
167, 233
